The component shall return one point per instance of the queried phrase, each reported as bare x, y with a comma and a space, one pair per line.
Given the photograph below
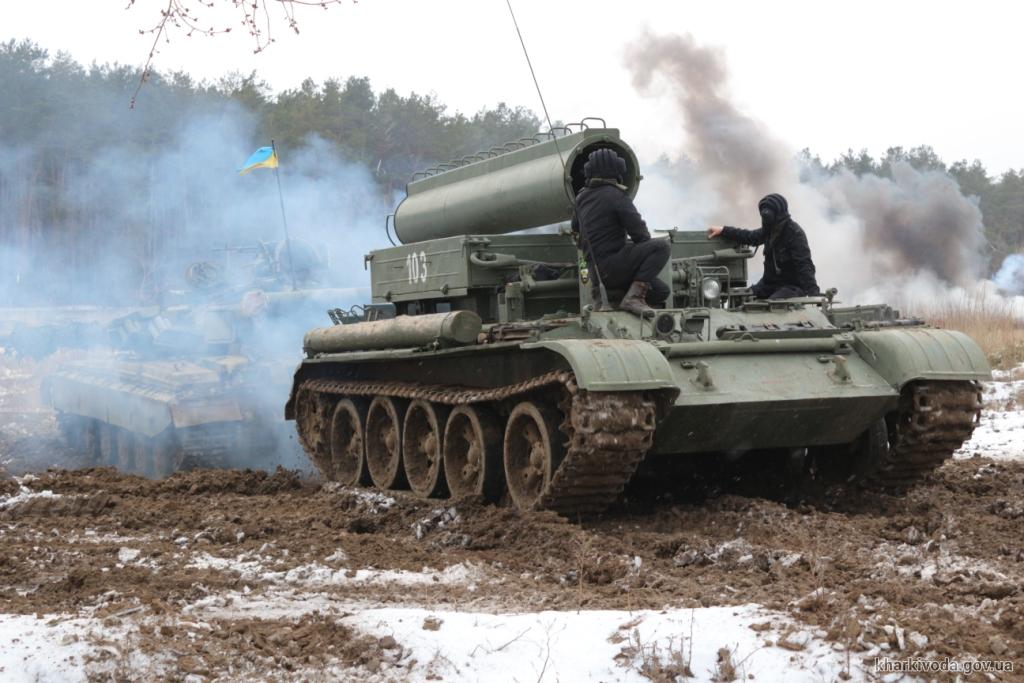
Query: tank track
933, 420
606, 434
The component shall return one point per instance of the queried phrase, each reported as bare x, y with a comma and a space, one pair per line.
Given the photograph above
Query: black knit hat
777, 203
604, 163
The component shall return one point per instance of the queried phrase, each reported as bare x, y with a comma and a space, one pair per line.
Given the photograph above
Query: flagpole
280, 196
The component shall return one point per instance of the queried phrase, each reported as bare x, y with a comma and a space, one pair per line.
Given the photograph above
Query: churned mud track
216, 553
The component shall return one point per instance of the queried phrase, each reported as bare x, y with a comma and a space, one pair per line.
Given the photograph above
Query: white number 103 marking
416, 267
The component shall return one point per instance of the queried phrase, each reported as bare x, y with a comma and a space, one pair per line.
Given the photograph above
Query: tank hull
820, 388
157, 417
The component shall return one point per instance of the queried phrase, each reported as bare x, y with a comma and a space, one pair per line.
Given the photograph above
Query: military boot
635, 300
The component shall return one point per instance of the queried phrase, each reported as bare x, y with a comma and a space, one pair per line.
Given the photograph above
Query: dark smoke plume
915, 223
917, 220
737, 151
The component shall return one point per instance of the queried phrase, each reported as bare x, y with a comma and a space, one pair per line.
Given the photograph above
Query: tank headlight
665, 323
711, 289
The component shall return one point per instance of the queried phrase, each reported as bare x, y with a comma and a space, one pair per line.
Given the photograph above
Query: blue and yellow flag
264, 157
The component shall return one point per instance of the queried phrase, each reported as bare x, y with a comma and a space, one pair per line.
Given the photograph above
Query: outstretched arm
751, 237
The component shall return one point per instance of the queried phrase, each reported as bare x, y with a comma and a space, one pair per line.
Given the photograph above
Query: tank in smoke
555, 404
528, 185
194, 384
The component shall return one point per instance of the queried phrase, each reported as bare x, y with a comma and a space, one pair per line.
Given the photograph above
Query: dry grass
996, 324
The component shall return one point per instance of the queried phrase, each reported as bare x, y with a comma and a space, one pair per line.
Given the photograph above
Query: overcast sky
824, 75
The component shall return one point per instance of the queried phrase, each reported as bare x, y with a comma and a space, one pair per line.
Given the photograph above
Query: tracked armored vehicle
198, 383
501, 379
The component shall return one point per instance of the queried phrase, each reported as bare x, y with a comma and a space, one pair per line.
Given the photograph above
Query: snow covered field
1000, 434
429, 644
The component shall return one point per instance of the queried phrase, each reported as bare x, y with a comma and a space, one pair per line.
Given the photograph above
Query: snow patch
604, 645
932, 562
24, 494
252, 567
1000, 433
49, 648
126, 555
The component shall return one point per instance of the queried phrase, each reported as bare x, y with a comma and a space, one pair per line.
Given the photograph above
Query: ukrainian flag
264, 157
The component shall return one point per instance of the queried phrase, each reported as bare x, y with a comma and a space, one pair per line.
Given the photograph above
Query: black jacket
787, 256
607, 216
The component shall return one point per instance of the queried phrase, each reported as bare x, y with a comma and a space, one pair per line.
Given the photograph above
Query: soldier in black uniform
788, 268
604, 217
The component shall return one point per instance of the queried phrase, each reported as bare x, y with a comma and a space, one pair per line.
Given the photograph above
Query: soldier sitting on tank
605, 216
788, 268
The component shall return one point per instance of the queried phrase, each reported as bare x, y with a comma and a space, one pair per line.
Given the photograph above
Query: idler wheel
142, 454
90, 441
82, 435
472, 453
384, 442
313, 413
422, 454
348, 458
532, 453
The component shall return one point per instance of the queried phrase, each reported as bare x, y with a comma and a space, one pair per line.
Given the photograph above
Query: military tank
195, 383
500, 378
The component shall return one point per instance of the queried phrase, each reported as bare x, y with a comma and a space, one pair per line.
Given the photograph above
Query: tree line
58, 116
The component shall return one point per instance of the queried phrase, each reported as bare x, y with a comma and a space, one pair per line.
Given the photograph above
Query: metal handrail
511, 146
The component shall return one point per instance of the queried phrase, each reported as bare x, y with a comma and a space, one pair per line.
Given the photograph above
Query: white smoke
1010, 277
872, 237
142, 217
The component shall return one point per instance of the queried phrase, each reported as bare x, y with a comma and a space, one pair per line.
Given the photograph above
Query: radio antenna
536, 84
554, 137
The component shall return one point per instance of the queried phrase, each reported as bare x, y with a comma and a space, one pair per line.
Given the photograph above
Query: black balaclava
773, 209
604, 163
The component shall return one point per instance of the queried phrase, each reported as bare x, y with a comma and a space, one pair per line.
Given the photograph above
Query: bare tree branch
190, 18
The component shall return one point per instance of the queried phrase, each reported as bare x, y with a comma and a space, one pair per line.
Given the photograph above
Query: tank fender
146, 413
598, 364
905, 355
613, 364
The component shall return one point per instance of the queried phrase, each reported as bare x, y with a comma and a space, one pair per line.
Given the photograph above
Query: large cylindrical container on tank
525, 188
405, 331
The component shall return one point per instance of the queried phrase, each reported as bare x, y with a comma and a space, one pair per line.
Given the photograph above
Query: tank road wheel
126, 448
69, 426
81, 434
532, 453
421, 448
142, 455
163, 454
107, 439
472, 453
348, 457
90, 442
384, 442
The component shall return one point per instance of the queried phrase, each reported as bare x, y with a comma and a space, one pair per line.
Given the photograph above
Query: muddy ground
939, 571
242, 574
